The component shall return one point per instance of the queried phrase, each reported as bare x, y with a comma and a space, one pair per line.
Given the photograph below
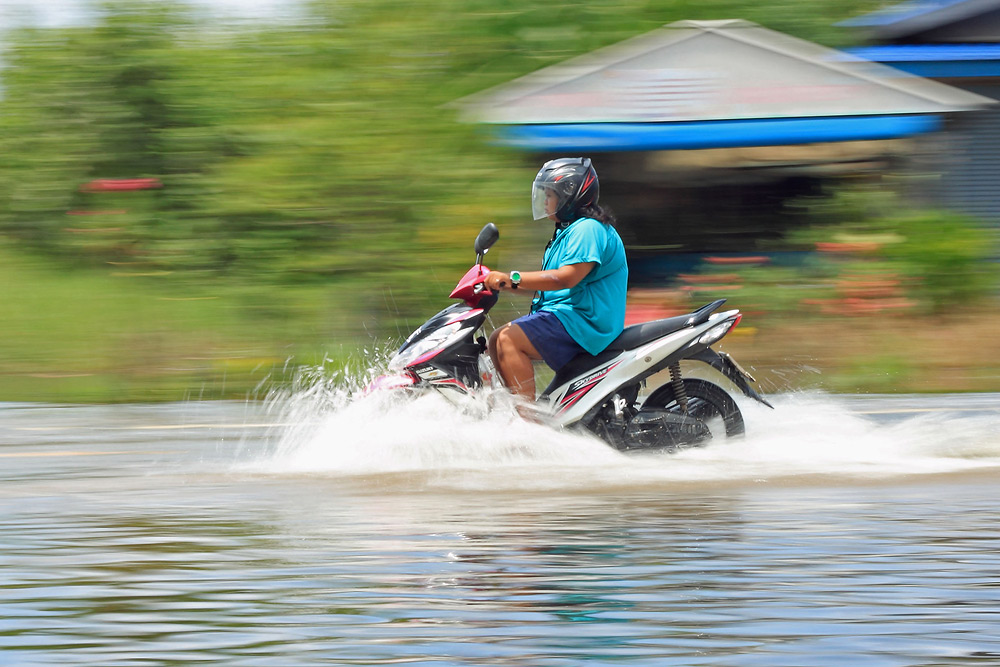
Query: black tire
706, 402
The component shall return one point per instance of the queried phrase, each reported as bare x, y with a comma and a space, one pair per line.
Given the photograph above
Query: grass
93, 335
90, 335
873, 354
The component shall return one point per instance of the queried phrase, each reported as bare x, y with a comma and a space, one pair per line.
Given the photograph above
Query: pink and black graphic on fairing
464, 316
398, 381
581, 387
452, 383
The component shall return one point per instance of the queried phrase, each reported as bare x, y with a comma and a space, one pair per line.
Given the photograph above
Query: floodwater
317, 529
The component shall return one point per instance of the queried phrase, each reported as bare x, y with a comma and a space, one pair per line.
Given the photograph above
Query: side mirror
487, 237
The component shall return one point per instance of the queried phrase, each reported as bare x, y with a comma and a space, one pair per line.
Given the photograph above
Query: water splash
333, 429
331, 425
813, 434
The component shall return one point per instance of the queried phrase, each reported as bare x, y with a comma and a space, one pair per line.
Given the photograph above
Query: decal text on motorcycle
592, 378
579, 389
430, 373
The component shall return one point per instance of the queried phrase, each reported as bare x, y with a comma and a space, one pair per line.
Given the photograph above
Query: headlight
437, 340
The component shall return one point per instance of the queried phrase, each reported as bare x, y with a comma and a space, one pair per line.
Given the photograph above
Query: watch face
515, 276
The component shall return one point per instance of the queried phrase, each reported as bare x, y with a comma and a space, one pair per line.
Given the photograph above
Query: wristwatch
515, 279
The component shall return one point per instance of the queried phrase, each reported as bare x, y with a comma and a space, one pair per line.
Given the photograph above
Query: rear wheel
707, 402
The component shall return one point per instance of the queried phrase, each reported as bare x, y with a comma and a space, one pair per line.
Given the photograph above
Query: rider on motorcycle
579, 293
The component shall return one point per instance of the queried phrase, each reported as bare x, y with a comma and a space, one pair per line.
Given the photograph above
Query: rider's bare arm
564, 277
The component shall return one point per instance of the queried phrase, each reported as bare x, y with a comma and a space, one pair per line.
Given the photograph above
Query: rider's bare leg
512, 354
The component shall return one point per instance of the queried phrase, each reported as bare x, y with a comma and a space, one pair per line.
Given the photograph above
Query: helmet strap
555, 233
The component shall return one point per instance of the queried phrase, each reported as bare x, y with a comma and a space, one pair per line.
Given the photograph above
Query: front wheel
708, 404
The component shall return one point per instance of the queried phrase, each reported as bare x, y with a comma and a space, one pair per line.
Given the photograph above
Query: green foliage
311, 172
946, 255
868, 252
944, 258
297, 152
279, 154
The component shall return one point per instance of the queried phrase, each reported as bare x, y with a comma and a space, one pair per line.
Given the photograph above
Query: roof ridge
675, 84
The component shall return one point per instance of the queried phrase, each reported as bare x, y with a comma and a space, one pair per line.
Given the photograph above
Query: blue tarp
597, 137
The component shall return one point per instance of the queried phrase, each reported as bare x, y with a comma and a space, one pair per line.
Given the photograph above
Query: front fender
723, 363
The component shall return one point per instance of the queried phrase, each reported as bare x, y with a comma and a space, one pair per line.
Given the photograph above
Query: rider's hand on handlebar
496, 280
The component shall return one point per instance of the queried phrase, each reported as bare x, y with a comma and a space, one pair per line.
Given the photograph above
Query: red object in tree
860, 246
121, 184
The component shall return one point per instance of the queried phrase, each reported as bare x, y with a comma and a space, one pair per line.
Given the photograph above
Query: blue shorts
550, 338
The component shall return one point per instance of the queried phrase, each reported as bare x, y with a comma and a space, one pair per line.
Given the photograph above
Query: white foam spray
333, 429
822, 435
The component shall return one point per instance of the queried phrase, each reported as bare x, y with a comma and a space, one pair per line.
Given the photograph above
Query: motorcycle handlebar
481, 286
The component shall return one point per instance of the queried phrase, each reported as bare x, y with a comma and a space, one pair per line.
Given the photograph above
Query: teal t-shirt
593, 311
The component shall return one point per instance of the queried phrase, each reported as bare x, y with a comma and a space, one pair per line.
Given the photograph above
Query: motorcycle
597, 393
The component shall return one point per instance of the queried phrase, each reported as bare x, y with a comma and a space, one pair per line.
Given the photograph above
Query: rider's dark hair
599, 213
595, 211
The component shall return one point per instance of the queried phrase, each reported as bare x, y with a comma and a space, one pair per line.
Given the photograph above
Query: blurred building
955, 42
706, 133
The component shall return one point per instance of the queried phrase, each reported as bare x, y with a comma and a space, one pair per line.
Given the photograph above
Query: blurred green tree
314, 151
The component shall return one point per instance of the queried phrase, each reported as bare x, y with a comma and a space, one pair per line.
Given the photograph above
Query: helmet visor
545, 201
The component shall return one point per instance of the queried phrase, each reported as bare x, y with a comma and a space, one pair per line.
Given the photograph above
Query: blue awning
937, 60
900, 12
604, 137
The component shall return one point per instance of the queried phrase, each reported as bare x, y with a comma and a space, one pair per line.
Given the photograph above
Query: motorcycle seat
629, 339
640, 334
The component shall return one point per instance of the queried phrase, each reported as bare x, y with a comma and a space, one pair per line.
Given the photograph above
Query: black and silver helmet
572, 181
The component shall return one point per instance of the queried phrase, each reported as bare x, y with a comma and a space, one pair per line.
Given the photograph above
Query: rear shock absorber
678, 384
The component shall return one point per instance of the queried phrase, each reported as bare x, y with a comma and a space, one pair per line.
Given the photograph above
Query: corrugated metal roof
711, 70
970, 166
